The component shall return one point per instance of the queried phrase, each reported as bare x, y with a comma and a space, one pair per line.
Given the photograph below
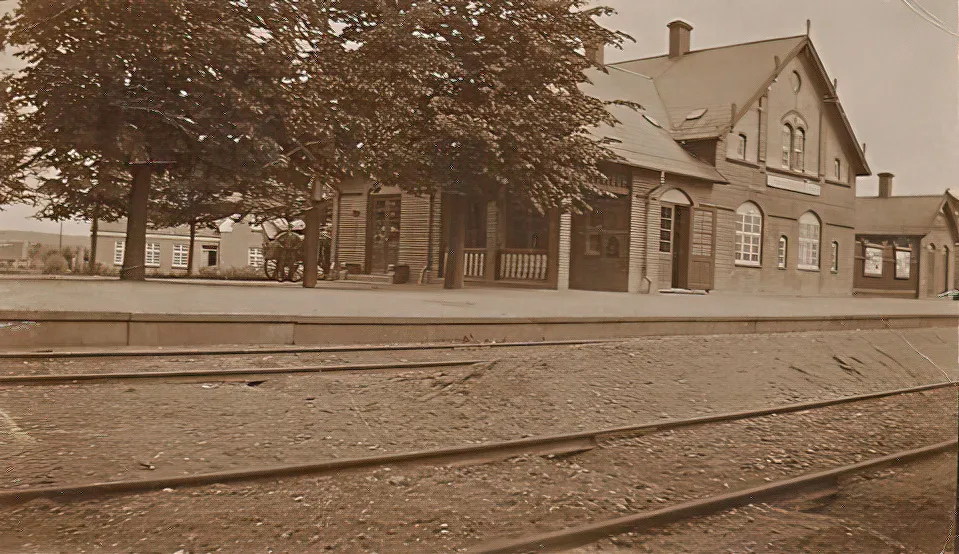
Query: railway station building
906, 245
739, 173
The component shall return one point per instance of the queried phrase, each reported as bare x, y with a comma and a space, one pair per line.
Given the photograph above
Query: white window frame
837, 169
668, 243
254, 257
783, 253
151, 257
181, 256
787, 138
810, 242
799, 150
748, 250
119, 250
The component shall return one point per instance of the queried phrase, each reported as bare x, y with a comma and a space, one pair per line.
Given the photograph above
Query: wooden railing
523, 264
475, 265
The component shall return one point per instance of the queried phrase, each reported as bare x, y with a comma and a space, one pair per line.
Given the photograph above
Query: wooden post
94, 238
552, 253
493, 225
311, 246
455, 264
134, 257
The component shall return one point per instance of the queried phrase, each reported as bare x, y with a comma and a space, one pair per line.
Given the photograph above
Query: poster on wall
903, 264
873, 262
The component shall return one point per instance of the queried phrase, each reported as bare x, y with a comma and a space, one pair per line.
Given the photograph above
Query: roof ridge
710, 49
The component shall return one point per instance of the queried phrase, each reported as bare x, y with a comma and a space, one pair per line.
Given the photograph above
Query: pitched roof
637, 138
897, 215
713, 79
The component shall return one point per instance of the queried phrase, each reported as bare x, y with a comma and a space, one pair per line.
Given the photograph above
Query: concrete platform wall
27, 330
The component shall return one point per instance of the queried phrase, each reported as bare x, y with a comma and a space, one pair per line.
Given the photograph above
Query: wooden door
383, 233
702, 260
682, 244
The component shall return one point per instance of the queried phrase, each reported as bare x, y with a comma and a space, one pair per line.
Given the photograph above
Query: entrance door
383, 233
681, 246
703, 256
600, 246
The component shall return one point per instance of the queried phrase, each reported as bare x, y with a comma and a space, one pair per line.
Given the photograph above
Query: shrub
54, 264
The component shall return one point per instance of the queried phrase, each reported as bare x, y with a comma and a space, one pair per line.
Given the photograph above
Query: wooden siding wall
414, 233
352, 229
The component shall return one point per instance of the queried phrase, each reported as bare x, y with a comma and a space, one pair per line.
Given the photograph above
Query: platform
49, 313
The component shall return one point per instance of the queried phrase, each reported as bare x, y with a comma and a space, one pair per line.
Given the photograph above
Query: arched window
835, 257
749, 235
741, 146
787, 140
783, 252
810, 232
799, 150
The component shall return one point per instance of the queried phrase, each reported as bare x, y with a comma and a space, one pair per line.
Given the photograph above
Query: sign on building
803, 186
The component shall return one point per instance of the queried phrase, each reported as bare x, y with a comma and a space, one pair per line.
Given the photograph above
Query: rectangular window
783, 252
153, 254
837, 169
787, 139
872, 266
255, 257
118, 251
666, 229
835, 257
903, 264
181, 253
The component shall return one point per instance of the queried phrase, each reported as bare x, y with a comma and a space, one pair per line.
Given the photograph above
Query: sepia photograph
479, 276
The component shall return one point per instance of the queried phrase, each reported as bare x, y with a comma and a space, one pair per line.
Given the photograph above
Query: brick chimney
596, 53
679, 33
885, 185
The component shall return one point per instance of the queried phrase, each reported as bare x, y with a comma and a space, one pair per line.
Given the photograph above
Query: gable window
118, 250
809, 240
835, 257
666, 229
783, 252
799, 150
787, 140
837, 169
749, 235
741, 142
153, 254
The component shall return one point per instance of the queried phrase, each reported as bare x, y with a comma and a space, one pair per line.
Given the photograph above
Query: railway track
245, 350
555, 444
643, 521
216, 374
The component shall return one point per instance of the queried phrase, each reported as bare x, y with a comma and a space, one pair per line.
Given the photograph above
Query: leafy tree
81, 189
196, 200
506, 114
138, 85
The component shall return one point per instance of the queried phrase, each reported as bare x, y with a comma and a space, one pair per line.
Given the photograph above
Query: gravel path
83, 433
446, 509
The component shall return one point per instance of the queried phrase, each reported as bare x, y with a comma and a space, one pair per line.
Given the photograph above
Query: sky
898, 75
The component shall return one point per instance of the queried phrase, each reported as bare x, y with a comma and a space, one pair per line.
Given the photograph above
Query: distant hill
48, 239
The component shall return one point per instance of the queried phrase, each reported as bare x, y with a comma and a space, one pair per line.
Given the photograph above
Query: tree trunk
311, 246
455, 256
94, 237
189, 254
134, 256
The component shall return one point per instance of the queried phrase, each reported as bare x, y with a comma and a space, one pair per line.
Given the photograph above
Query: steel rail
74, 378
239, 351
572, 537
552, 444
